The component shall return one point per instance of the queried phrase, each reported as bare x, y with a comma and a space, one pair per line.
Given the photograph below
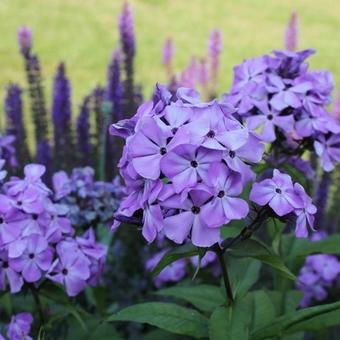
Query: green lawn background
84, 32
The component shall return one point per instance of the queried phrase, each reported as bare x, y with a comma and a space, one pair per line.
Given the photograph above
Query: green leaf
260, 251
231, 322
168, 316
243, 273
184, 251
264, 309
204, 297
305, 319
293, 247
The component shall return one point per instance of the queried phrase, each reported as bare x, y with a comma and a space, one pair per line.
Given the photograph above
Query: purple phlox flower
3, 173
278, 192
305, 214
30, 256
55, 222
284, 96
150, 144
189, 220
288, 64
318, 236
8, 275
9, 230
61, 184
126, 127
328, 149
215, 131
189, 96
33, 174
225, 206
336, 108
70, 269
267, 120
176, 115
291, 34
20, 327
327, 266
308, 124
96, 253
174, 272
250, 71
188, 164
251, 152
30, 201
161, 97
25, 39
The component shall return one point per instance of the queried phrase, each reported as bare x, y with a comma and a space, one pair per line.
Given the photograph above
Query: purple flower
225, 205
168, 53
328, 149
174, 272
70, 269
25, 39
215, 47
190, 220
186, 165
126, 29
291, 36
305, 214
3, 173
8, 276
150, 144
277, 192
267, 120
20, 327
30, 256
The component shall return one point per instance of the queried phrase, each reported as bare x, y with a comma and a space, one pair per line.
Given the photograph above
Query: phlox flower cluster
319, 274
285, 198
19, 327
185, 164
88, 201
37, 241
279, 97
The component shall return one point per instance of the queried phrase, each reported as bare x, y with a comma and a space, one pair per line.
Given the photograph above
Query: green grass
83, 33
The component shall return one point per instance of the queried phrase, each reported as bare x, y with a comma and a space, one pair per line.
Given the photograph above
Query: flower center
1, 220
278, 190
221, 194
231, 154
35, 216
174, 130
19, 203
270, 117
162, 151
194, 164
195, 210
5, 264
31, 256
211, 134
64, 271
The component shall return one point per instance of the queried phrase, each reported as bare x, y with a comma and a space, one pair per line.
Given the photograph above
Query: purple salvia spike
215, 47
291, 34
61, 116
25, 40
127, 40
83, 133
15, 124
168, 53
43, 156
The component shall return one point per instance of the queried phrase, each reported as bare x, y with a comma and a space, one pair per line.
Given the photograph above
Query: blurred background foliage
83, 34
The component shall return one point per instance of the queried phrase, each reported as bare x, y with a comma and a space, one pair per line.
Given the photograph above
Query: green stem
225, 275
38, 304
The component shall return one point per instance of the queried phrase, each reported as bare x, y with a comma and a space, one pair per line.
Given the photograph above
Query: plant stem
38, 304
227, 285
